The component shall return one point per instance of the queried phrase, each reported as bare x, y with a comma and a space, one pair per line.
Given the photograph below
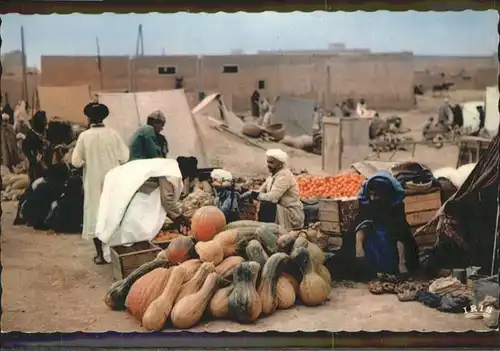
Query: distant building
237, 52
333, 48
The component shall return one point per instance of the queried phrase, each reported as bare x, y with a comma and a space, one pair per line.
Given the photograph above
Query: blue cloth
230, 209
383, 177
380, 248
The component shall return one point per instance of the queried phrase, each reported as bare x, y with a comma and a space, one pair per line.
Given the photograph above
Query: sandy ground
50, 284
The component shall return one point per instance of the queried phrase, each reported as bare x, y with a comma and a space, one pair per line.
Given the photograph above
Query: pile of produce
336, 186
240, 272
198, 198
13, 185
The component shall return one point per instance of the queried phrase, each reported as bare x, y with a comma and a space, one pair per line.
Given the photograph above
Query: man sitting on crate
383, 239
279, 195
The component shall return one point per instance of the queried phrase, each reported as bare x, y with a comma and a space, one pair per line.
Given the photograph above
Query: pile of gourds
240, 272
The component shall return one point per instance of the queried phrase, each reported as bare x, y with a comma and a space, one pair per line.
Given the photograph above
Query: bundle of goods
239, 272
197, 199
13, 185
336, 186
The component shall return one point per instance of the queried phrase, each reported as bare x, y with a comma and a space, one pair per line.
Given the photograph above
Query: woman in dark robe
254, 103
383, 239
35, 146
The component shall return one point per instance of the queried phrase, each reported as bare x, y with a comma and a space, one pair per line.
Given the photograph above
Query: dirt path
50, 284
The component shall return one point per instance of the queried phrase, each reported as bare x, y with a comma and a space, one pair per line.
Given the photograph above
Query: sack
483, 287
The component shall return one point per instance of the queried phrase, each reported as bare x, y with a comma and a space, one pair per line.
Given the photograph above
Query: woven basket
415, 188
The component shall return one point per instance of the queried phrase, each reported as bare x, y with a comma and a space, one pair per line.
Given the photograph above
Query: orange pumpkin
206, 222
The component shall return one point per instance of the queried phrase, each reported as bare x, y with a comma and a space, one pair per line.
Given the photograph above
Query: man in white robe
98, 150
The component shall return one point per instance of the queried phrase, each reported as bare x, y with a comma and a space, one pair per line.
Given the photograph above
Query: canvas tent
492, 120
214, 106
295, 114
467, 224
64, 103
129, 111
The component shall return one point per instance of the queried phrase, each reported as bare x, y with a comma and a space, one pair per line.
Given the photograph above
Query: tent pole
497, 233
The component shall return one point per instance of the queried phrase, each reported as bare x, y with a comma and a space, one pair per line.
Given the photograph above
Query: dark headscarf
96, 112
8, 110
39, 121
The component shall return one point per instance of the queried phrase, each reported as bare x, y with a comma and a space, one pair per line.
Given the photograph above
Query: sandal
99, 261
406, 291
375, 287
389, 288
387, 278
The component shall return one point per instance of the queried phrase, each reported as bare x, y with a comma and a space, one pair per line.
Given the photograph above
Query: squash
209, 251
285, 243
225, 268
191, 266
325, 274
313, 290
117, 293
291, 279
269, 280
268, 239
294, 234
285, 293
145, 290
316, 254
195, 283
188, 311
255, 268
255, 252
159, 310
300, 242
244, 303
218, 306
274, 227
180, 249
206, 222
234, 241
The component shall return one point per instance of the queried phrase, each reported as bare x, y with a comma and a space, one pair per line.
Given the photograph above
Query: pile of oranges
336, 186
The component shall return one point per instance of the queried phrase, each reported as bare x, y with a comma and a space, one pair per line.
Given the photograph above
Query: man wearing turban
279, 195
98, 150
148, 142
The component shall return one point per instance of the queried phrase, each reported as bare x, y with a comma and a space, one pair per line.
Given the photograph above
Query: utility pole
99, 63
25, 81
139, 51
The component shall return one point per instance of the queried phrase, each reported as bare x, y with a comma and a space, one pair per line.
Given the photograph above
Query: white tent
129, 111
492, 115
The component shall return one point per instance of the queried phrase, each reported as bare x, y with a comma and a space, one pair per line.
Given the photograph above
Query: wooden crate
248, 211
422, 202
125, 260
337, 216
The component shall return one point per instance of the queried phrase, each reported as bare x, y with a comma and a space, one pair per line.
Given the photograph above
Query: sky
424, 33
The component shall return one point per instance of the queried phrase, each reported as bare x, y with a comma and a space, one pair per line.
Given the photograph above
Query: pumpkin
145, 290
180, 249
117, 293
206, 222
268, 239
218, 306
269, 280
195, 283
234, 241
255, 252
191, 266
244, 303
188, 311
226, 267
285, 243
285, 293
209, 251
159, 310
313, 290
